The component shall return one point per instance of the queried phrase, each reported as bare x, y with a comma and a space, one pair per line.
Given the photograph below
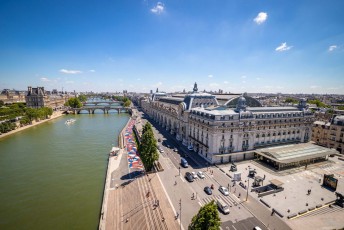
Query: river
52, 175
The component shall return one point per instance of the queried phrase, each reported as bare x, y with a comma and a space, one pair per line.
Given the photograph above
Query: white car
201, 174
190, 147
194, 175
161, 150
224, 190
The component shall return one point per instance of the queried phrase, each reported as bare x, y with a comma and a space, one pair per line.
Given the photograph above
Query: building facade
330, 134
221, 133
38, 98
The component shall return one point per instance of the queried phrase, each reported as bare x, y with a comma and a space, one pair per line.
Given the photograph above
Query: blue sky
237, 46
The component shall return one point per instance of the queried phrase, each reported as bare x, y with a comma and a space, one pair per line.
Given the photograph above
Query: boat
70, 121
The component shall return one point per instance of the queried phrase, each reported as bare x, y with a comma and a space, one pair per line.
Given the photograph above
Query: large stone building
220, 133
38, 98
330, 134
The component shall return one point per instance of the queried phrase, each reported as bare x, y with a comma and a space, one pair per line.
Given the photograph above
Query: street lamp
248, 187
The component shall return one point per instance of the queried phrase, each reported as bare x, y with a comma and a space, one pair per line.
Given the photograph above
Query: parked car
161, 150
175, 150
159, 140
194, 175
201, 174
190, 147
207, 190
189, 177
224, 190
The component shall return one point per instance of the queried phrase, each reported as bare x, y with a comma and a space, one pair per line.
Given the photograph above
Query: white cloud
283, 47
158, 9
244, 82
314, 86
258, 78
66, 71
226, 82
261, 17
139, 79
44, 79
243, 76
69, 82
332, 48
210, 76
92, 70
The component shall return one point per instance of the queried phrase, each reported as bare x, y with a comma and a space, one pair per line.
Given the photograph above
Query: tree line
147, 148
10, 114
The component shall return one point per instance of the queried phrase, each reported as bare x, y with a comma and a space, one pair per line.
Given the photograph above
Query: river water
52, 175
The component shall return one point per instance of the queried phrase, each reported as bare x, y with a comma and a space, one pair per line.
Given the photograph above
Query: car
257, 228
189, 177
184, 163
200, 174
207, 190
159, 140
194, 175
175, 150
222, 206
161, 150
190, 147
224, 190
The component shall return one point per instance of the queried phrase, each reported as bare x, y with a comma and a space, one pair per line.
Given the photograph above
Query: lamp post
248, 187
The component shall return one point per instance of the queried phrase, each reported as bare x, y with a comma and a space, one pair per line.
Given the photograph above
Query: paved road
239, 218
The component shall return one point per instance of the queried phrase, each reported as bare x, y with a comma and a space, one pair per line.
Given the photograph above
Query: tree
127, 103
147, 148
207, 218
73, 102
82, 98
291, 100
1, 103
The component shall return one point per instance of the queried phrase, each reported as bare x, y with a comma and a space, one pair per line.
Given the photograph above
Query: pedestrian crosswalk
227, 199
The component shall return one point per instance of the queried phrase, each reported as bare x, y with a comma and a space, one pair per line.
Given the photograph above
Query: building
330, 134
229, 131
38, 98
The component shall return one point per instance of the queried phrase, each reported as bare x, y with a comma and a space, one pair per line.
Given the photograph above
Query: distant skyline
237, 46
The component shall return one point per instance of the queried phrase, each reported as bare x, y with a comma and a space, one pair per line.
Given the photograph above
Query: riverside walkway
133, 199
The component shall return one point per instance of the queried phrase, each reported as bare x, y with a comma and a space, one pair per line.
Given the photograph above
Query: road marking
234, 227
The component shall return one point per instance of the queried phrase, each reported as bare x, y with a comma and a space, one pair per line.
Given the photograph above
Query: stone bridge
106, 109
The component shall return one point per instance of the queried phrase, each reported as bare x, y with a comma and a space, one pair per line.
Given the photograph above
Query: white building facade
221, 134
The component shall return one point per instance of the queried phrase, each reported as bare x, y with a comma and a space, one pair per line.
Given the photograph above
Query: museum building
228, 131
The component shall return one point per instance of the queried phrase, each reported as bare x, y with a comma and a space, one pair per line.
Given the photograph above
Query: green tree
291, 100
317, 102
31, 114
207, 218
82, 98
127, 103
73, 102
2, 103
341, 107
147, 148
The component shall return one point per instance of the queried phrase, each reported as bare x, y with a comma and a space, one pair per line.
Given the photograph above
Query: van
223, 206
184, 163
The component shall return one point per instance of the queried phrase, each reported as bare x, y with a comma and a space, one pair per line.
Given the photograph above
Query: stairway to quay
133, 199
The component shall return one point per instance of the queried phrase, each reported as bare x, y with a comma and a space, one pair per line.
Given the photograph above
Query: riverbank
113, 164
34, 123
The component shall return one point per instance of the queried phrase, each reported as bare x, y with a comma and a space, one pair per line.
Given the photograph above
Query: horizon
289, 47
